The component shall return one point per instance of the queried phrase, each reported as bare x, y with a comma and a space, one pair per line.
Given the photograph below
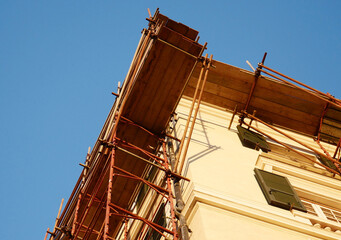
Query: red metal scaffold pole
107, 209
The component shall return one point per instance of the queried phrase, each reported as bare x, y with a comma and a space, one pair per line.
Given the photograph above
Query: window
160, 219
322, 211
278, 191
145, 187
252, 139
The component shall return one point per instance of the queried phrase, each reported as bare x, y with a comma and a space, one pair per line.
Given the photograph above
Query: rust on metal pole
125, 229
107, 209
76, 214
170, 194
182, 161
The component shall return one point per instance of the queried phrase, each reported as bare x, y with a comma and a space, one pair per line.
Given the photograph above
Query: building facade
224, 199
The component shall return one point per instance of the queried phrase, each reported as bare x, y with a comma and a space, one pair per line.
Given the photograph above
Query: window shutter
278, 190
325, 161
252, 139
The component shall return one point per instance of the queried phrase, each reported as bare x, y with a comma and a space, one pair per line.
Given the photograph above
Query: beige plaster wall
217, 161
220, 224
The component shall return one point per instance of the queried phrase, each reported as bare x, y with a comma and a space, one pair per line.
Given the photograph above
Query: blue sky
60, 61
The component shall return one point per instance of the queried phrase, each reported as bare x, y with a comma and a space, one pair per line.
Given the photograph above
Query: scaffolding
132, 146
329, 101
133, 160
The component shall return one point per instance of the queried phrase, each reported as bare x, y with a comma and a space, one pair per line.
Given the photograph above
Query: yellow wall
224, 200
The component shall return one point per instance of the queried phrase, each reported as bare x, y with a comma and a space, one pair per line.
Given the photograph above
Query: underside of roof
275, 102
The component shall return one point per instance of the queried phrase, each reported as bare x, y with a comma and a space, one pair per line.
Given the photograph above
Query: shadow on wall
209, 148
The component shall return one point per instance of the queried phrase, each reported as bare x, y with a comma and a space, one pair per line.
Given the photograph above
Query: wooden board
275, 102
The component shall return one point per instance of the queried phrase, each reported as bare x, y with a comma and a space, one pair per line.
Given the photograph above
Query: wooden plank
224, 92
165, 32
182, 29
173, 84
289, 97
275, 109
327, 138
300, 95
162, 105
137, 106
260, 103
331, 131
285, 122
261, 113
331, 122
224, 71
162, 18
269, 90
164, 82
334, 114
148, 92
215, 100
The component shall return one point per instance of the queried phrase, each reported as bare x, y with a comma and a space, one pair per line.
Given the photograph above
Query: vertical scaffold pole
125, 229
183, 155
57, 219
189, 115
76, 214
169, 188
107, 209
47, 233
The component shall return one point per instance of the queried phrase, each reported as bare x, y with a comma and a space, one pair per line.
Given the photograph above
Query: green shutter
252, 139
278, 190
325, 161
